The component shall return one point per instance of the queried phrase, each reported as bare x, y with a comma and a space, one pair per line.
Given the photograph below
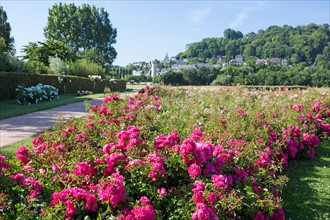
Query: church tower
153, 69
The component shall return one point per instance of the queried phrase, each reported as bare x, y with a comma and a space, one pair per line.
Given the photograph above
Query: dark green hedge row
275, 87
10, 81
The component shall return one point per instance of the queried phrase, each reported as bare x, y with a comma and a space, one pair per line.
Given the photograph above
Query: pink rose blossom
298, 107
70, 209
241, 112
145, 200
22, 154
194, 170
162, 192
146, 212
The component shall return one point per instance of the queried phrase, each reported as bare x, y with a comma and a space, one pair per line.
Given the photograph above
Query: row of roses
115, 164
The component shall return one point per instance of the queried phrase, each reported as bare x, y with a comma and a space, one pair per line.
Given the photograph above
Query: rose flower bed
167, 154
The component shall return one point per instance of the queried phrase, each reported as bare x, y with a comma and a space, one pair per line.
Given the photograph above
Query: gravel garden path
18, 128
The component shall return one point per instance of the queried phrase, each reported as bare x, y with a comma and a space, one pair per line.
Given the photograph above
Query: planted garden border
133, 158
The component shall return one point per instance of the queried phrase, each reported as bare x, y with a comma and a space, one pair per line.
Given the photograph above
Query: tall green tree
85, 29
232, 34
5, 29
41, 51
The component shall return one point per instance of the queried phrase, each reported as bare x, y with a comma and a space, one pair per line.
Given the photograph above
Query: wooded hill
303, 43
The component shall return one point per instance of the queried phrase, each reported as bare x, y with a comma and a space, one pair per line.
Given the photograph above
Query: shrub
84, 68
195, 77
222, 80
57, 66
35, 94
139, 78
8, 62
171, 77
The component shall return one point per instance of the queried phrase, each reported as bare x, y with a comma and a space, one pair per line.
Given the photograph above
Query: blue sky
147, 30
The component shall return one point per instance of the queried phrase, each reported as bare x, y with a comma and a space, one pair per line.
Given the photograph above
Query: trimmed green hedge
10, 81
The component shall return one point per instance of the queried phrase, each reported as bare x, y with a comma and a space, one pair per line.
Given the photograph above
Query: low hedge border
10, 81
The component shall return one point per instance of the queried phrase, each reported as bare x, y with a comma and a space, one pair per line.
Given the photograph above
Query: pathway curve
18, 128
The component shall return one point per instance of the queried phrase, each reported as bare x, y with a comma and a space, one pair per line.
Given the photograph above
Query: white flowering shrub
35, 94
94, 77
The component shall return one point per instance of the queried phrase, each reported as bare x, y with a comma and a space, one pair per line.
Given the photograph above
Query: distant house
174, 59
262, 61
221, 59
177, 67
285, 62
275, 61
272, 61
239, 60
137, 72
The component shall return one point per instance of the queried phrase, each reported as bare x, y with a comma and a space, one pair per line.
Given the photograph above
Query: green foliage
10, 63
84, 28
318, 76
201, 76
232, 34
138, 78
84, 68
5, 29
194, 77
171, 78
57, 66
10, 81
297, 44
222, 80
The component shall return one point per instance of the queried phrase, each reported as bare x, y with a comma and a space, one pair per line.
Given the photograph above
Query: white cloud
245, 14
197, 16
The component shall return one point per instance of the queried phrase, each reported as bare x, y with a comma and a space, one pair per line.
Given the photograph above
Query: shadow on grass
307, 195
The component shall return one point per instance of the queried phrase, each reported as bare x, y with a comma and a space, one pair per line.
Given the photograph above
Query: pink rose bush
163, 153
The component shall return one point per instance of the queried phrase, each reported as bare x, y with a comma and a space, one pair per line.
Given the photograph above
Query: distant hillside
295, 44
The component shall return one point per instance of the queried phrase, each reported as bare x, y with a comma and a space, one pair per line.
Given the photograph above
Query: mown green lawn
10, 150
307, 195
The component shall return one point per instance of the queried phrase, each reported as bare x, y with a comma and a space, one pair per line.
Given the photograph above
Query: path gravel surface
21, 127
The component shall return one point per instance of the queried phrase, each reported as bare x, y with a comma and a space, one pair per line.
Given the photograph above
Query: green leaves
84, 28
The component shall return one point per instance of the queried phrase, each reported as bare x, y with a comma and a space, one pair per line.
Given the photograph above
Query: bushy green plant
139, 78
85, 68
222, 80
8, 62
57, 66
171, 77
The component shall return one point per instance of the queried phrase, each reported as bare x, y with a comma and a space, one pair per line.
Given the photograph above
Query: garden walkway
21, 127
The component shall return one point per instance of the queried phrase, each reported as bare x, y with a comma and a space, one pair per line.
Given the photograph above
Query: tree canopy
84, 29
6, 41
296, 44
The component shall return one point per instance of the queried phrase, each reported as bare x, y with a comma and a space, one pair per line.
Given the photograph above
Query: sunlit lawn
307, 195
